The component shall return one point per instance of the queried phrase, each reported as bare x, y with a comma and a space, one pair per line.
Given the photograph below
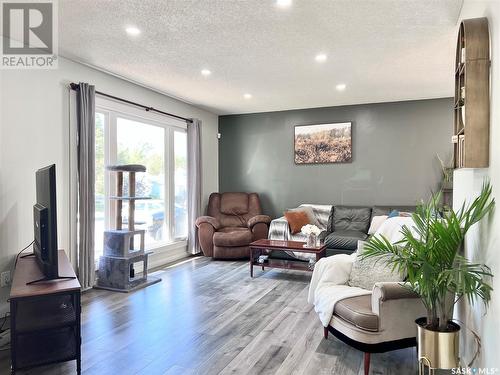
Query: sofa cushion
233, 238
357, 311
234, 203
344, 239
232, 229
351, 218
331, 252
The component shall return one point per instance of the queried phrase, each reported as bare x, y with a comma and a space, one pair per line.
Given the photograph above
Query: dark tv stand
43, 279
27, 255
44, 317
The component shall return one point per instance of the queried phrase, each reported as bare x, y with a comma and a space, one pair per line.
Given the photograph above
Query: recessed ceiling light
283, 3
132, 30
321, 57
340, 87
247, 96
205, 72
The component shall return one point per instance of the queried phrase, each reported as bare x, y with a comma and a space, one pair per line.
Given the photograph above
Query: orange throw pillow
296, 220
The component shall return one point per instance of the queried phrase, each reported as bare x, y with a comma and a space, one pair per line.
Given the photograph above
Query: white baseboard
158, 259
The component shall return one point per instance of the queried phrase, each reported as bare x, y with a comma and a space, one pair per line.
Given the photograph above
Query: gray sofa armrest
397, 308
209, 220
392, 290
323, 235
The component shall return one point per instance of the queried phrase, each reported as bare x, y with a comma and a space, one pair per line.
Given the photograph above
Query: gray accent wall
394, 148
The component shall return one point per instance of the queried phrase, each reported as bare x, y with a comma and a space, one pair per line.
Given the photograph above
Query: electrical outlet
4, 278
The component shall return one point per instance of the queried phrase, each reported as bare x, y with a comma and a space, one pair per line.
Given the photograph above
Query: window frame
112, 110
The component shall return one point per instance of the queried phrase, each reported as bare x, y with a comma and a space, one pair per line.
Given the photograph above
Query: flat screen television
45, 222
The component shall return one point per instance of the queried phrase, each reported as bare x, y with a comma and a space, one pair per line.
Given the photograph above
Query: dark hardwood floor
210, 317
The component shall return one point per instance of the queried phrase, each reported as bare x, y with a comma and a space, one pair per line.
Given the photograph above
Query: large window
125, 135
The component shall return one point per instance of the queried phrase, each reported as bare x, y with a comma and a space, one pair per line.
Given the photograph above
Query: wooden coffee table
257, 247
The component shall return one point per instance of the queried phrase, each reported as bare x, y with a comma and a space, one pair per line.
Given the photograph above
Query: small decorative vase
311, 240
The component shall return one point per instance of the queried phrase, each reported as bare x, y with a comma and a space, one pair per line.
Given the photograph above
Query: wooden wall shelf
472, 95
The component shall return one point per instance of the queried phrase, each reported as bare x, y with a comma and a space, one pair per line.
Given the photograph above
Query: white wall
483, 243
34, 131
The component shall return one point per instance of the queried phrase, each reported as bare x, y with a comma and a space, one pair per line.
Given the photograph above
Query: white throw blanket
328, 285
391, 228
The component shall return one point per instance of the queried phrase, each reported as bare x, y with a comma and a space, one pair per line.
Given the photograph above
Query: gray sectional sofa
342, 226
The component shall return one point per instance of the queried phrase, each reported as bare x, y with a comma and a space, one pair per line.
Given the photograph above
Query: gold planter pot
437, 350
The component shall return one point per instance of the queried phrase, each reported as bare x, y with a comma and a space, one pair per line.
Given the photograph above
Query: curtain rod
75, 86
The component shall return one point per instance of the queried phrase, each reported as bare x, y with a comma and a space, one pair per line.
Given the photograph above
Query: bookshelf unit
472, 89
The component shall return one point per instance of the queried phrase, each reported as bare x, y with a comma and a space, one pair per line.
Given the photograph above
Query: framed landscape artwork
323, 143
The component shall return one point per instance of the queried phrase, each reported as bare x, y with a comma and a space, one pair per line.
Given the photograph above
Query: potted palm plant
430, 255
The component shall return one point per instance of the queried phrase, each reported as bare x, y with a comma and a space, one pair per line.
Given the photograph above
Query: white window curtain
85, 115
194, 183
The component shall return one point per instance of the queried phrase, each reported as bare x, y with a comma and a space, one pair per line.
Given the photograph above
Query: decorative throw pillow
366, 272
377, 221
296, 220
309, 212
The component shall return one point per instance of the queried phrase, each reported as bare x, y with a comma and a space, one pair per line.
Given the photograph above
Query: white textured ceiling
383, 50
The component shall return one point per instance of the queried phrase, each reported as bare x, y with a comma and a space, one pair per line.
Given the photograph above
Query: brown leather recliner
234, 221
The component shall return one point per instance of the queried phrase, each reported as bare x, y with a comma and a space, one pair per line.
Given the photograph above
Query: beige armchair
234, 221
377, 323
